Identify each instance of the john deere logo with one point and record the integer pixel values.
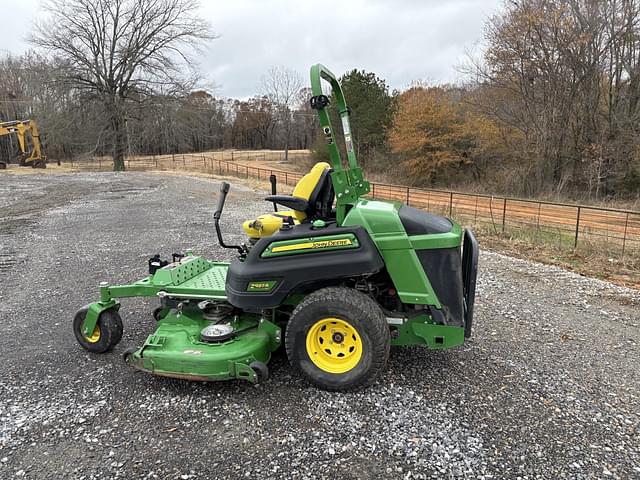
(342, 242)
(310, 244)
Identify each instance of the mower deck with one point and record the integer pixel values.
(177, 350)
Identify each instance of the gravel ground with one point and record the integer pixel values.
(548, 387)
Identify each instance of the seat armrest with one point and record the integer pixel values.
(294, 203)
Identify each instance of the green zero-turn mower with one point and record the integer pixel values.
(338, 278)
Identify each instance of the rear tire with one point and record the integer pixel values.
(338, 338)
(106, 335)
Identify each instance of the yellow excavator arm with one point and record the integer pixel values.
(31, 154)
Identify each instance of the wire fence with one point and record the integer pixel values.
(613, 232)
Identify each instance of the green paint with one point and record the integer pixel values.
(422, 330)
(310, 244)
(188, 268)
(382, 220)
(207, 284)
(349, 184)
(319, 223)
(175, 348)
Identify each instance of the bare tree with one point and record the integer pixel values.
(121, 50)
(282, 87)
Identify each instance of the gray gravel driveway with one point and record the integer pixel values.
(548, 386)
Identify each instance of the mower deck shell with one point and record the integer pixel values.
(176, 350)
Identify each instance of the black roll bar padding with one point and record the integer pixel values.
(274, 190)
(224, 189)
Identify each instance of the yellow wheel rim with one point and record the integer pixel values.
(95, 336)
(333, 345)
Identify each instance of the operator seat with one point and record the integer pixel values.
(312, 198)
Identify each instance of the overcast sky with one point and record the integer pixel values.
(401, 40)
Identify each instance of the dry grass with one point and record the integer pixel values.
(585, 261)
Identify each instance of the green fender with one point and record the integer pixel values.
(382, 221)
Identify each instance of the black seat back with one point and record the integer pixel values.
(321, 199)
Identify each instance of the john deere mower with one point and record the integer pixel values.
(336, 277)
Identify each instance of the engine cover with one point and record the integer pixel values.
(267, 276)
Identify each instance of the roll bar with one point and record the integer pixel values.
(348, 183)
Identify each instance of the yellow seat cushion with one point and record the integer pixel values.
(269, 223)
(307, 184)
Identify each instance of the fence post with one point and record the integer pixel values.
(184, 164)
(231, 155)
(99, 162)
(247, 169)
(624, 237)
(451, 203)
(475, 212)
(373, 192)
(407, 196)
(504, 213)
(575, 243)
(286, 180)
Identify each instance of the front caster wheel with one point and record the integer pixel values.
(262, 371)
(127, 355)
(159, 313)
(338, 338)
(106, 335)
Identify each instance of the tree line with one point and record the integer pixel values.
(77, 123)
(550, 107)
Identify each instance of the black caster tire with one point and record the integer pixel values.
(159, 313)
(3, 166)
(262, 371)
(39, 164)
(127, 354)
(338, 338)
(106, 335)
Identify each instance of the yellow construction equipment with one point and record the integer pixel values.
(30, 150)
